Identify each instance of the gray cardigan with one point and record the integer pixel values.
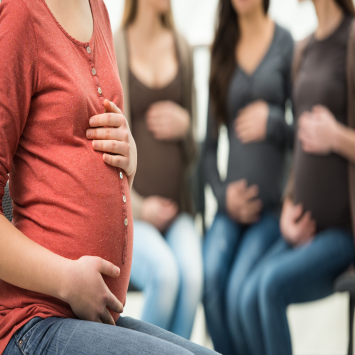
(189, 103)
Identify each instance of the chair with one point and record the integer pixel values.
(346, 283)
(7, 203)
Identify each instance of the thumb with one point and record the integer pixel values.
(111, 107)
(107, 268)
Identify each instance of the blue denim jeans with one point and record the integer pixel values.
(65, 336)
(168, 268)
(231, 252)
(288, 275)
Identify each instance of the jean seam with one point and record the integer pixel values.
(19, 347)
(24, 338)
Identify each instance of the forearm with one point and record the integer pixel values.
(344, 142)
(28, 265)
(130, 180)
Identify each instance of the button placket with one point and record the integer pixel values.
(125, 215)
(94, 75)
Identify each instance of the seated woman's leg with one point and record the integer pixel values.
(162, 334)
(219, 249)
(155, 271)
(185, 244)
(256, 241)
(249, 302)
(301, 274)
(65, 336)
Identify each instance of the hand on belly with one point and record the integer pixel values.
(159, 211)
(297, 227)
(86, 291)
(242, 203)
(111, 134)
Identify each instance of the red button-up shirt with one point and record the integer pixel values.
(65, 197)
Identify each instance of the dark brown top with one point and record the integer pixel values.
(321, 182)
(160, 163)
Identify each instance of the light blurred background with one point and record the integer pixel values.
(196, 20)
(318, 328)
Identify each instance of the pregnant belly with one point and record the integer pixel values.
(321, 185)
(76, 212)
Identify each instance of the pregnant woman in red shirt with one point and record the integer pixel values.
(65, 260)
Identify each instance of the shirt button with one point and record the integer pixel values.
(126, 222)
(99, 90)
(124, 198)
(93, 71)
(88, 49)
(121, 175)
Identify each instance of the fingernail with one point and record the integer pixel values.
(91, 121)
(118, 271)
(94, 144)
(88, 133)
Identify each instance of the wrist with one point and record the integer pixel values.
(338, 131)
(64, 285)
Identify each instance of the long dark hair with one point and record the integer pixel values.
(347, 6)
(223, 56)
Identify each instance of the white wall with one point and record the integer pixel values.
(195, 18)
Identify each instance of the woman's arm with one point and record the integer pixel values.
(261, 120)
(210, 160)
(344, 142)
(278, 130)
(28, 265)
(320, 133)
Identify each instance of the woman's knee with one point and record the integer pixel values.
(273, 284)
(248, 304)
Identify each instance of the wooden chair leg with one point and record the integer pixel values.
(351, 322)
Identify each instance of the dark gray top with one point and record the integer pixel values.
(321, 181)
(260, 163)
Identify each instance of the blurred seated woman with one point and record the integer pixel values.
(318, 209)
(249, 86)
(156, 68)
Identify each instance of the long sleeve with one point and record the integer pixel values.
(18, 62)
(210, 161)
(278, 130)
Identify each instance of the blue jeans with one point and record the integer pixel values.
(231, 252)
(288, 275)
(66, 336)
(168, 268)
